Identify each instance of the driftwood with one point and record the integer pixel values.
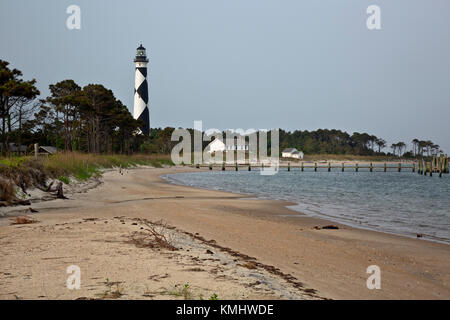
(58, 189)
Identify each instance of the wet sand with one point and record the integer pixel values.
(320, 263)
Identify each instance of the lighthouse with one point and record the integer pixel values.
(141, 111)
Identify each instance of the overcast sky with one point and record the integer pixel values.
(251, 63)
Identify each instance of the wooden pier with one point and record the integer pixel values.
(438, 165)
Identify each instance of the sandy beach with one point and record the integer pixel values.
(228, 246)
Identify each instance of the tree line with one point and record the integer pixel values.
(324, 141)
(71, 118)
(91, 119)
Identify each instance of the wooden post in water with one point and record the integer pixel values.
(444, 162)
(249, 167)
(356, 167)
(303, 168)
(441, 167)
(315, 166)
(446, 169)
(223, 166)
(289, 166)
(371, 167)
(343, 167)
(399, 167)
(385, 167)
(210, 166)
(329, 166)
(414, 167)
(237, 166)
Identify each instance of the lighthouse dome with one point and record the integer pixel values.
(141, 55)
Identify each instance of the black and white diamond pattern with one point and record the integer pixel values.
(141, 110)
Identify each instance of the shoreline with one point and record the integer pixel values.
(332, 262)
(291, 205)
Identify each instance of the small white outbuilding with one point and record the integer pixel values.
(292, 153)
(238, 144)
(216, 145)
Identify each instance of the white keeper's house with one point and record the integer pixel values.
(292, 153)
(217, 145)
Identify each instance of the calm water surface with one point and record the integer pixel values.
(402, 203)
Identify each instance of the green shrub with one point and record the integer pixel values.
(64, 179)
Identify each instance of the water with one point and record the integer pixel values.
(394, 202)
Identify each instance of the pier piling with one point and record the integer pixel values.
(446, 169)
(438, 166)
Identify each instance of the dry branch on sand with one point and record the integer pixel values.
(155, 236)
(23, 220)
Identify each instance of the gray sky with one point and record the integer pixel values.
(251, 63)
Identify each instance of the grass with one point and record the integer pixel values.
(335, 157)
(12, 161)
(27, 171)
(64, 179)
(110, 292)
(348, 157)
(187, 294)
(184, 291)
(214, 296)
(83, 166)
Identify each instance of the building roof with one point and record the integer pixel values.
(13, 147)
(215, 141)
(290, 150)
(48, 149)
(238, 141)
